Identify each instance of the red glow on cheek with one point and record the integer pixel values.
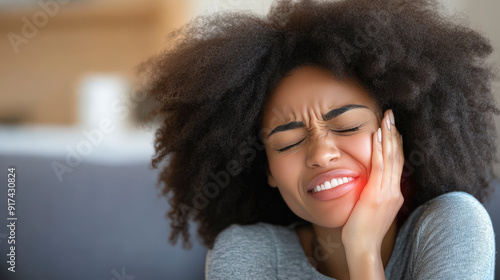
(359, 148)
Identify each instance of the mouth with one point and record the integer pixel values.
(331, 179)
(336, 192)
(331, 184)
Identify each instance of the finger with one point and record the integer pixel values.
(397, 147)
(377, 168)
(387, 152)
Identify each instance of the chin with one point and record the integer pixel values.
(337, 214)
(336, 221)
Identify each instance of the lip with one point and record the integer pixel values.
(328, 176)
(336, 192)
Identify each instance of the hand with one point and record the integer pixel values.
(381, 199)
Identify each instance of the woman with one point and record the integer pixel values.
(284, 137)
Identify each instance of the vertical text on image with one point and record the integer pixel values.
(11, 219)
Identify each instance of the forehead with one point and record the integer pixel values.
(312, 87)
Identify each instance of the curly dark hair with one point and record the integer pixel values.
(210, 85)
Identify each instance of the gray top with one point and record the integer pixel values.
(448, 237)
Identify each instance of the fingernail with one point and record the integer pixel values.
(387, 121)
(392, 117)
(379, 134)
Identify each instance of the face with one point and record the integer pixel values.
(319, 141)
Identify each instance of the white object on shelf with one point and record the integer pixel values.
(103, 99)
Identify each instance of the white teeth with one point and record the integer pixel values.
(332, 184)
(335, 182)
(328, 185)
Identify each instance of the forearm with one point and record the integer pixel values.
(366, 264)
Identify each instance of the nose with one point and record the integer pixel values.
(322, 151)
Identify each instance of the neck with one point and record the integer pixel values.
(328, 251)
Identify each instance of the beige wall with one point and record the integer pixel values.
(39, 78)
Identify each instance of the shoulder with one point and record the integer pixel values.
(245, 233)
(244, 251)
(452, 234)
(260, 237)
(454, 208)
(453, 213)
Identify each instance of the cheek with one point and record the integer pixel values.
(286, 172)
(359, 147)
(284, 168)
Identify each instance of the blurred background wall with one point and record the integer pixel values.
(51, 47)
(86, 200)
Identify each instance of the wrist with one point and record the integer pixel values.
(362, 247)
(357, 252)
(365, 264)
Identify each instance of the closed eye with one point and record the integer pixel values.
(289, 147)
(348, 130)
(338, 131)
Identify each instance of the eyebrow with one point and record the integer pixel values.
(330, 115)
